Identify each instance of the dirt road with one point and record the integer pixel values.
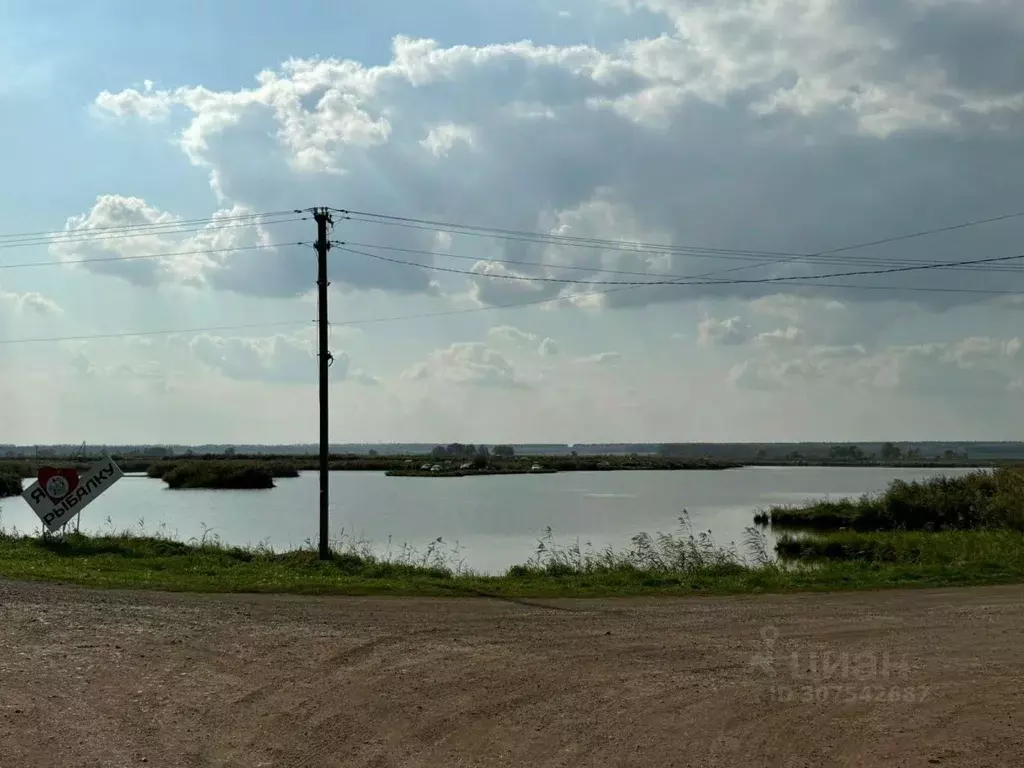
(916, 678)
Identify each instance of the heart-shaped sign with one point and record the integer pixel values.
(58, 482)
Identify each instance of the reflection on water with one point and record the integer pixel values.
(495, 520)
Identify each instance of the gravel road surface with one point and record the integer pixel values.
(895, 678)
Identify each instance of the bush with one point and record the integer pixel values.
(219, 475)
(979, 500)
(947, 548)
(10, 484)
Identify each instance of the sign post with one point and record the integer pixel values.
(58, 494)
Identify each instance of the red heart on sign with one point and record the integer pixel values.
(57, 482)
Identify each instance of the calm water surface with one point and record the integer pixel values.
(495, 520)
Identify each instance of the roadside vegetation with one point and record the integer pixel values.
(979, 500)
(681, 563)
(10, 483)
(981, 548)
(966, 529)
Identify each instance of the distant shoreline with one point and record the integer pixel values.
(13, 470)
(467, 472)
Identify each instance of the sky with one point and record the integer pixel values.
(744, 146)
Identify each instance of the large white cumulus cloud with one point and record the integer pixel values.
(788, 125)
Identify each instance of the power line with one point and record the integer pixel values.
(23, 265)
(471, 310)
(866, 260)
(872, 243)
(84, 237)
(790, 282)
(696, 281)
(608, 245)
(468, 310)
(164, 332)
(784, 257)
(123, 227)
(515, 233)
(766, 257)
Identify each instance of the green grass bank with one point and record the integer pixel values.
(660, 564)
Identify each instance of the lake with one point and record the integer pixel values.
(495, 520)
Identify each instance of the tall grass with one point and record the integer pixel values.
(979, 500)
(682, 552)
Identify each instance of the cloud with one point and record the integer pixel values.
(416, 372)
(511, 335)
(237, 251)
(151, 374)
(747, 140)
(31, 301)
(548, 348)
(729, 332)
(793, 308)
(514, 337)
(363, 377)
(601, 358)
(789, 336)
(964, 367)
(278, 359)
(977, 350)
(885, 67)
(230, 252)
(468, 363)
(874, 111)
(442, 138)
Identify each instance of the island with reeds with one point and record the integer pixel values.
(220, 475)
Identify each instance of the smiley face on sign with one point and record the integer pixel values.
(58, 482)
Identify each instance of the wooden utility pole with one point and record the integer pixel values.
(323, 219)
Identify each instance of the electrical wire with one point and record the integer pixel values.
(696, 280)
(619, 285)
(106, 238)
(784, 257)
(866, 260)
(883, 241)
(23, 265)
(609, 245)
(763, 258)
(128, 227)
(466, 310)
(165, 332)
